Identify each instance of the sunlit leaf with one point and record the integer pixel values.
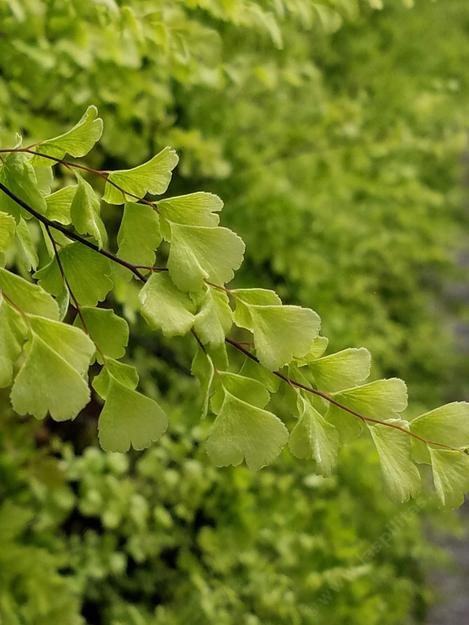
(152, 177)
(242, 431)
(164, 307)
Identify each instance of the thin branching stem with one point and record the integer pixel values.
(70, 234)
(331, 400)
(102, 173)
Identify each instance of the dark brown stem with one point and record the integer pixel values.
(102, 173)
(76, 303)
(71, 235)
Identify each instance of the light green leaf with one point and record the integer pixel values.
(252, 369)
(256, 297)
(113, 369)
(342, 370)
(382, 399)
(50, 278)
(7, 234)
(13, 332)
(77, 141)
(242, 431)
(84, 212)
(214, 319)
(248, 389)
(108, 332)
(71, 343)
(251, 297)
(314, 437)
(26, 246)
(199, 253)
(88, 273)
(139, 235)
(203, 369)
(450, 475)
(447, 424)
(316, 350)
(166, 308)
(59, 204)
(19, 176)
(281, 333)
(45, 178)
(129, 419)
(152, 177)
(393, 446)
(28, 297)
(47, 383)
(194, 209)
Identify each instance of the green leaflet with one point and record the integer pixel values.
(50, 278)
(88, 274)
(252, 297)
(393, 446)
(316, 350)
(139, 235)
(19, 176)
(341, 370)
(28, 297)
(122, 372)
(199, 253)
(256, 297)
(48, 381)
(314, 437)
(214, 318)
(59, 204)
(382, 399)
(45, 178)
(77, 141)
(281, 333)
(152, 177)
(242, 431)
(84, 212)
(108, 332)
(248, 389)
(164, 307)
(7, 235)
(450, 475)
(26, 247)
(13, 331)
(70, 342)
(447, 424)
(202, 368)
(128, 418)
(194, 209)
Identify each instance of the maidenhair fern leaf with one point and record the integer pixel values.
(152, 177)
(77, 141)
(200, 253)
(242, 431)
(165, 307)
(129, 419)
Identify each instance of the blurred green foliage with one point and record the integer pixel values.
(163, 538)
(335, 134)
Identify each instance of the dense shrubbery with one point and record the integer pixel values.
(163, 538)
